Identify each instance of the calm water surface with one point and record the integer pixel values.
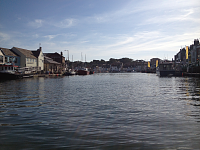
(100, 111)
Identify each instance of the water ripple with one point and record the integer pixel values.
(101, 111)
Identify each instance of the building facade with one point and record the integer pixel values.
(51, 66)
(40, 58)
(27, 57)
(59, 58)
(8, 57)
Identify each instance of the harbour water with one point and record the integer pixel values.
(100, 111)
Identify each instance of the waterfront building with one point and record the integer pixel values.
(50, 65)
(153, 62)
(40, 58)
(2, 58)
(194, 56)
(8, 57)
(28, 60)
(195, 52)
(114, 69)
(27, 57)
(180, 61)
(140, 65)
(180, 56)
(58, 58)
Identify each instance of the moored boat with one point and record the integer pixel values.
(8, 72)
(27, 72)
(70, 73)
(167, 69)
(83, 71)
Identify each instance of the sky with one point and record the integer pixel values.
(101, 29)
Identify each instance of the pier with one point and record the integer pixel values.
(191, 74)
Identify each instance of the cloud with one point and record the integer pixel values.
(141, 43)
(175, 16)
(161, 42)
(61, 36)
(132, 28)
(122, 42)
(35, 36)
(165, 12)
(37, 23)
(66, 23)
(64, 42)
(189, 12)
(9, 40)
(84, 42)
(4, 37)
(50, 36)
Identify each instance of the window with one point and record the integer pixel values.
(15, 60)
(6, 59)
(1, 59)
(10, 59)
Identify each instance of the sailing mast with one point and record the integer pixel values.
(85, 60)
(72, 63)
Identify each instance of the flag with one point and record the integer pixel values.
(156, 63)
(186, 52)
(149, 64)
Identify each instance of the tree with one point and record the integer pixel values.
(126, 60)
(112, 60)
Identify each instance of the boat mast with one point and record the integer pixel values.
(81, 60)
(72, 63)
(85, 60)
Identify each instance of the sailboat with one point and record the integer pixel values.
(83, 70)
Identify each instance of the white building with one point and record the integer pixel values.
(30, 59)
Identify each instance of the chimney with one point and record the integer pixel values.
(196, 41)
(61, 57)
(40, 49)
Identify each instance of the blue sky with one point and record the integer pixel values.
(101, 29)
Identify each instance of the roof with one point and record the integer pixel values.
(36, 53)
(27, 53)
(53, 54)
(48, 60)
(8, 52)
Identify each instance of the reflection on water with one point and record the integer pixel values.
(100, 111)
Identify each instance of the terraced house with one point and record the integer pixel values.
(33, 60)
(2, 58)
(8, 57)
